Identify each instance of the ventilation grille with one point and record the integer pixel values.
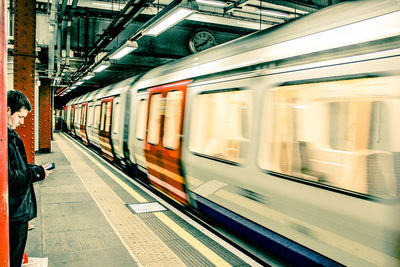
(146, 207)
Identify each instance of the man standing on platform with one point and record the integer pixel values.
(21, 176)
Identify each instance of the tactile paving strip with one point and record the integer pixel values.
(146, 207)
(144, 246)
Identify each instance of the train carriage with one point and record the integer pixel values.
(120, 125)
(285, 135)
(107, 99)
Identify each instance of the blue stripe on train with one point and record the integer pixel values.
(284, 248)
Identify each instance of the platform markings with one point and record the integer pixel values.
(146, 207)
(207, 252)
(144, 246)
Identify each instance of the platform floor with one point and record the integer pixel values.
(84, 219)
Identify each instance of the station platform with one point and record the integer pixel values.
(92, 214)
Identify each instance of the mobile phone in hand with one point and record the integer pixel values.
(50, 166)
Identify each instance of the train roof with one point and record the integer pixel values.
(315, 32)
(111, 90)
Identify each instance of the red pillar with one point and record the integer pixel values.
(4, 249)
(24, 67)
(45, 116)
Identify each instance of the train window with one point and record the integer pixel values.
(116, 118)
(173, 114)
(97, 116)
(90, 116)
(108, 117)
(77, 115)
(154, 119)
(335, 133)
(220, 124)
(80, 119)
(141, 119)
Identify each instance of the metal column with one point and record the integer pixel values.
(45, 115)
(24, 67)
(4, 249)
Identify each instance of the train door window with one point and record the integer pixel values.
(220, 124)
(141, 119)
(77, 115)
(97, 112)
(172, 124)
(72, 116)
(335, 133)
(103, 115)
(108, 117)
(85, 116)
(154, 118)
(83, 120)
(116, 117)
(68, 113)
(90, 116)
(80, 115)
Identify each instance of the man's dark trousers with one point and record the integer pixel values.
(18, 237)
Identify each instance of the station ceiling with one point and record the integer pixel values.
(88, 32)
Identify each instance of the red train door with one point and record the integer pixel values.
(163, 140)
(105, 127)
(83, 123)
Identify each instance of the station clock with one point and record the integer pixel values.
(201, 40)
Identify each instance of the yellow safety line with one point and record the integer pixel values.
(214, 258)
(145, 247)
(208, 253)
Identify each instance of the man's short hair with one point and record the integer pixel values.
(17, 100)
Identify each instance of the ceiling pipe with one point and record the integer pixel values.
(53, 36)
(69, 20)
(129, 12)
(296, 5)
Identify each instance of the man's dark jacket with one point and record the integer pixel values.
(21, 176)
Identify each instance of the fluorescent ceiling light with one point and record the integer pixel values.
(88, 76)
(273, 13)
(167, 22)
(104, 65)
(211, 3)
(128, 47)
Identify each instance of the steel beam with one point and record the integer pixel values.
(45, 115)
(24, 67)
(4, 247)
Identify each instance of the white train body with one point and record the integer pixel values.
(289, 133)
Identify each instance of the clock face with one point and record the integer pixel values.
(201, 40)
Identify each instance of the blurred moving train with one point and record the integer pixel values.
(288, 135)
